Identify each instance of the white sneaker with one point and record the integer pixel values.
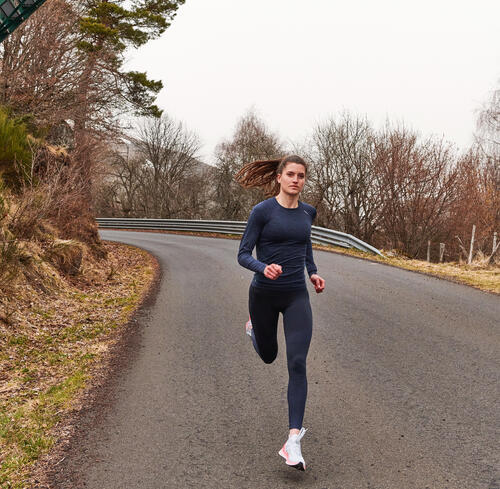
(248, 327)
(291, 451)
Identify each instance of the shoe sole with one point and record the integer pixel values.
(299, 466)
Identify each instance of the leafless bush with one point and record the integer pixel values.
(47, 190)
(53, 190)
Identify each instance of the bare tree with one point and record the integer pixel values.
(168, 152)
(417, 187)
(119, 183)
(343, 177)
(39, 65)
(155, 174)
(477, 203)
(251, 141)
(489, 124)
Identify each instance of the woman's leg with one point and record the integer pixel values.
(297, 321)
(264, 316)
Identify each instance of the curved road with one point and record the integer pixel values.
(403, 383)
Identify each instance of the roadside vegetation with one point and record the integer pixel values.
(479, 274)
(56, 336)
(64, 294)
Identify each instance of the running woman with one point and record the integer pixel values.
(280, 228)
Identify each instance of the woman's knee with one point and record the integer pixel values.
(297, 365)
(269, 357)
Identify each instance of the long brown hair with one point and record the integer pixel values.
(262, 173)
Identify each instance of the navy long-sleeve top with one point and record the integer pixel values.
(282, 236)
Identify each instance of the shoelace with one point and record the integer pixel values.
(302, 432)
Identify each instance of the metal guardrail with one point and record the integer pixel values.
(319, 235)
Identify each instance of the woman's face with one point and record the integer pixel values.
(292, 179)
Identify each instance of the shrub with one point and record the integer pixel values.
(15, 150)
(8, 245)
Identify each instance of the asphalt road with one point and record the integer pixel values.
(403, 383)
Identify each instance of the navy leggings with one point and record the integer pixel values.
(265, 306)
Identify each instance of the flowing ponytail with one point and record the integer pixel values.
(262, 173)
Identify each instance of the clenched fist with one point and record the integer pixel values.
(273, 271)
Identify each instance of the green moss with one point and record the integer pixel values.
(18, 340)
(117, 301)
(45, 314)
(80, 297)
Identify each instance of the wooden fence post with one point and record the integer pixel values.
(428, 251)
(494, 249)
(441, 252)
(471, 244)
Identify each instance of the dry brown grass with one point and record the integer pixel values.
(478, 274)
(53, 338)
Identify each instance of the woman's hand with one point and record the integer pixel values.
(273, 271)
(318, 282)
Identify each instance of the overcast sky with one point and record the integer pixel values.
(430, 64)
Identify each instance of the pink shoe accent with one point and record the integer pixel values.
(297, 465)
(248, 327)
(284, 453)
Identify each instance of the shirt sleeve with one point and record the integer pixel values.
(253, 229)
(310, 265)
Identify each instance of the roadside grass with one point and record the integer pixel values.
(49, 350)
(25, 427)
(477, 274)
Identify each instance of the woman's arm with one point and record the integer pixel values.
(310, 265)
(318, 282)
(250, 236)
